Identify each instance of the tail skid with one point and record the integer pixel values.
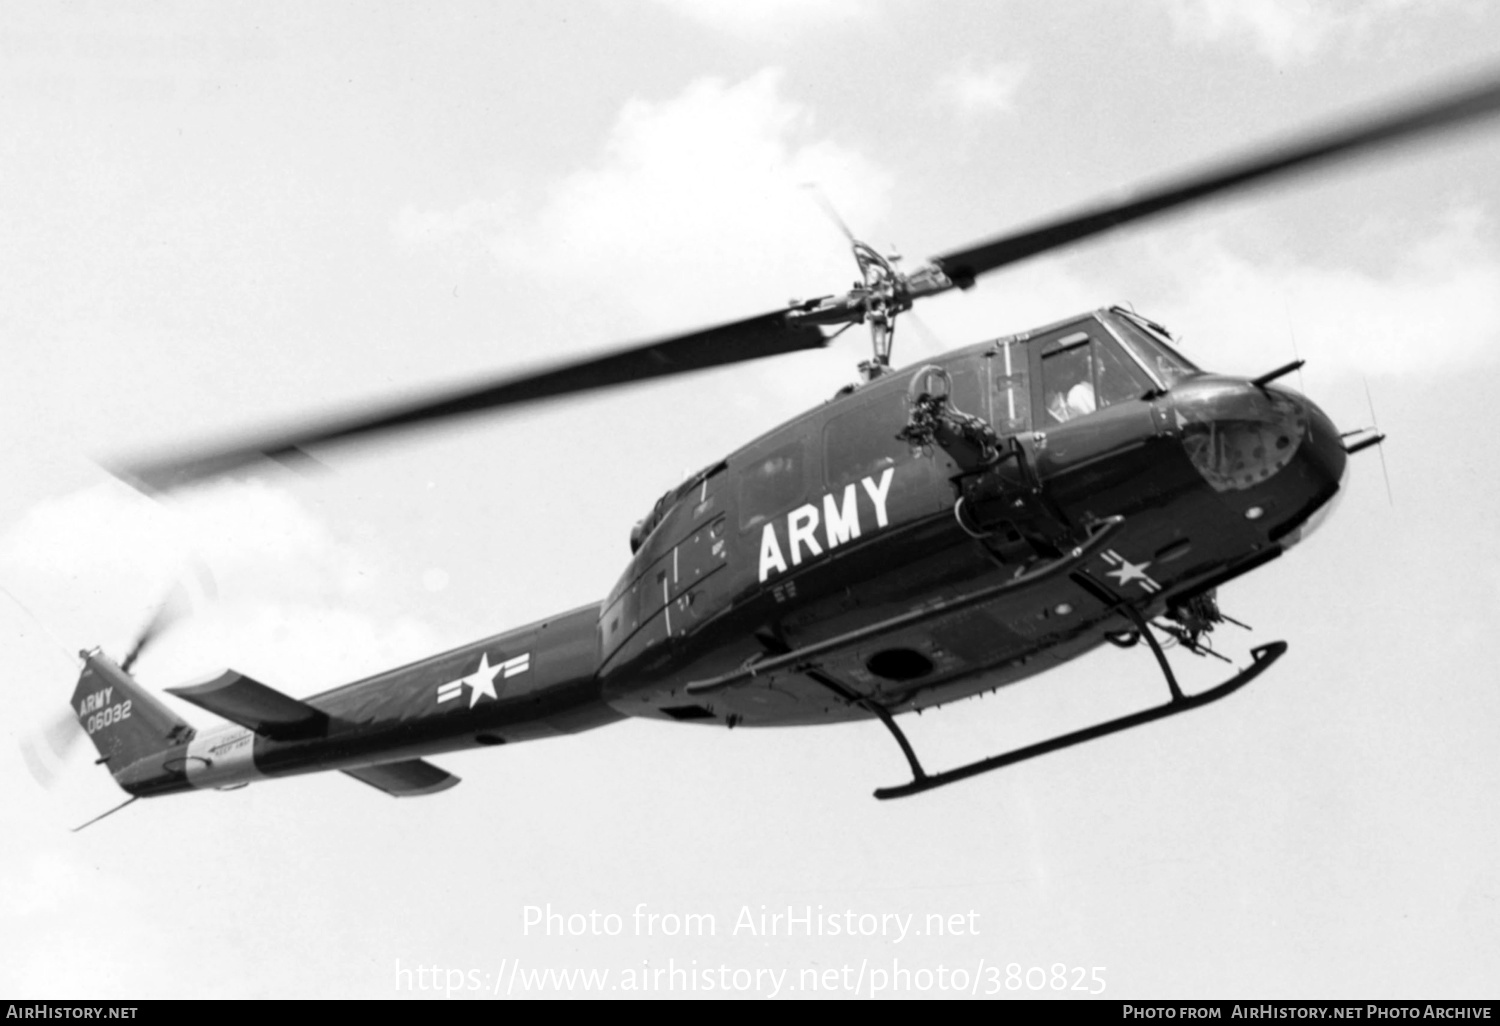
(111, 812)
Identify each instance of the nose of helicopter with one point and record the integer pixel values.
(1273, 456)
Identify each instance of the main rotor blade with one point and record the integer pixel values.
(1449, 111)
(767, 335)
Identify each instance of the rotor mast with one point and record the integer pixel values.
(883, 292)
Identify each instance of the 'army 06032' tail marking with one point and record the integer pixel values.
(840, 521)
(96, 711)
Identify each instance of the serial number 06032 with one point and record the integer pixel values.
(107, 716)
(1057, 976)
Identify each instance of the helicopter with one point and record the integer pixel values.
(930, 533)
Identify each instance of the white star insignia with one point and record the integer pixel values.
(1128, 571)
(1125, 571)
(482, 680)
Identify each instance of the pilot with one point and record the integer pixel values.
(1075, 402)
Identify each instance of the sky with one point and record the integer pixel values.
(222, 217)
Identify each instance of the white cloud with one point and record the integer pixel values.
(696, 212)
(1283, 30)
(975, 91)
(1434, 310)
(1431, 310)
(233, 526)
(298, 604)
(765, 17)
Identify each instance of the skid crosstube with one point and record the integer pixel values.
(921, 781)
(1261, 660)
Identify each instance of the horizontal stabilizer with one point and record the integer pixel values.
(251, 704)
(409, 779)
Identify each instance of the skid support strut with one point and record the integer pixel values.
(1261, 660)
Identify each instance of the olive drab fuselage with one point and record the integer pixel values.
(832, 522)
(876, 555)
(932, 534)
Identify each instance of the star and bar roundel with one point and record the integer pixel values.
(481, 683)
(1125, 571)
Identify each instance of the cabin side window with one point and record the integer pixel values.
(1082, 372)
(967, 393)
(862, 442)
(770, 484)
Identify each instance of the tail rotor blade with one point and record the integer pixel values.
(62, 734)
(46, 751)
(178, 605)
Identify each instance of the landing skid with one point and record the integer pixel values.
(921, 781)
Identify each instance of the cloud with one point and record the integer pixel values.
(697, 210)
(1285, 31)
(298, 604)
(236, 527)
(1433, 310)
(766, 17)
(1430, 310)
(975, 91)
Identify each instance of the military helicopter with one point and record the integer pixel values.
(929, 534)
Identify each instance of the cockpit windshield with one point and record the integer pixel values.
(1151, 344)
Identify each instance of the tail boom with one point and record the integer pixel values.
(536, 681)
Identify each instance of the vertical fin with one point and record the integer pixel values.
(125, 722)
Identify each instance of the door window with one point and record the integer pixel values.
(770, 484)
(1085, 371)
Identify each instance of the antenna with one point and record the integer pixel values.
(1291, 330)
(1373, 420)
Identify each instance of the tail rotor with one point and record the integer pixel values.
(48, 748)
